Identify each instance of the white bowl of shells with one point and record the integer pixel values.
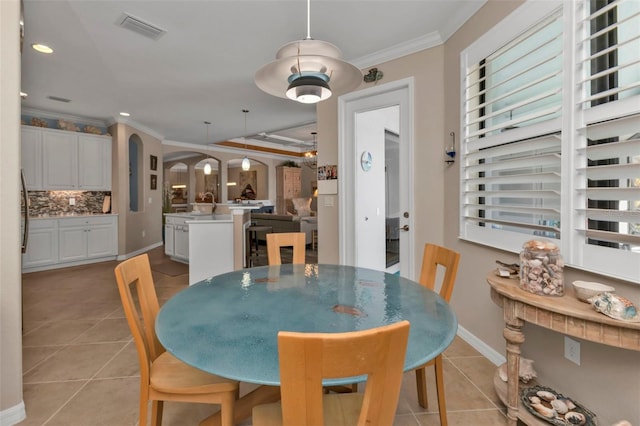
(586, 289)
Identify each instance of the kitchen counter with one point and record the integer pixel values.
(65, 215)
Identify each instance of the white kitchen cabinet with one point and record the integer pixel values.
(31, 157)
(42, 243)
(168, 239)
(58, 159)
(181, 242)
(94, 162)
(87, 238)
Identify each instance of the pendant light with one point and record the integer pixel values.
(308, 70)
(311, 157)
(246, 164)
(207, 166)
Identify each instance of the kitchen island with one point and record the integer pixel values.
(211, 244)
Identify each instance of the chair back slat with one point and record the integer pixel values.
(435, 256)
(275, 241)
(306, 358)
(135, 281)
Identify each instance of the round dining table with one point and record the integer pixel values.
(228, 324)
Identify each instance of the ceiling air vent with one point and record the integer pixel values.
(59, 99)
(141, 27)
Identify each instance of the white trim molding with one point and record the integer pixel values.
(485, 350)
(13, 415)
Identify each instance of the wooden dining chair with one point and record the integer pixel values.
(162, 376)
(275, 241)
(433, 257)
(306, 358)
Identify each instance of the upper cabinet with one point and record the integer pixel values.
(57, 159)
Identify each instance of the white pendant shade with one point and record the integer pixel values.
(246, 164)
(315, 59)
(207, 168)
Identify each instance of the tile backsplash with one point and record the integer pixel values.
(57, 202)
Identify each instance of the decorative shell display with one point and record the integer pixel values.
(526, 371)
(93, 130)
(554, 408)
(541, 268)
(615, 306)
(38, 122)
(67, 125)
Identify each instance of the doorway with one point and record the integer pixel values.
(376, 137)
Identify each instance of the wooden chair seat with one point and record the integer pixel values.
(170, 375)
(338, 410)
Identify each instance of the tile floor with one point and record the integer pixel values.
(80, 365)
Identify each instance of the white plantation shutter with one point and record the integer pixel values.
(511, 171)
(608, 143)
(551, 135)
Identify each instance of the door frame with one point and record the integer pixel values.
(399, 92)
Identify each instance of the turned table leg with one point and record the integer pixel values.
(514, 337)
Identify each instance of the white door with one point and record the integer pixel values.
(367, 221)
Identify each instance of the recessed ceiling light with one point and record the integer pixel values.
(125, 114)
(23, 95)
(42, 48)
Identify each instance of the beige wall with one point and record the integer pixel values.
(608, 381)
(148, 218)
(11, 408)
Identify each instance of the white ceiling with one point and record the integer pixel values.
(202, 69)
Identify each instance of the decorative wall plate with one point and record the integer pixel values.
(366, 161)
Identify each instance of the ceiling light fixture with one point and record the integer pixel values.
(311, 157)
(246, 164)
(303, 70)
(207, 166)
(42, 48)
(125, 114)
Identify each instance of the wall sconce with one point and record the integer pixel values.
(451, 150)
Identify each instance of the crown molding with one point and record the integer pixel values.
(399, 50)
(53, 115)
(132, 123)
(462, 15)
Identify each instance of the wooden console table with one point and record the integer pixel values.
(566, 315)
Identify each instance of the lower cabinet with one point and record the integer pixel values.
(42, 243)
(181, 242)
(168, 240)
(54, 242)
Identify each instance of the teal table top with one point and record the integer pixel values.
(228, 324)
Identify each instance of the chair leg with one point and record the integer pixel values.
(442, 406)
(156, 413)
(227, 411)
(144, 404)
(421, 384)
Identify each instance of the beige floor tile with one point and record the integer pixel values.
(405, 420)
(31, 356)
(109, 402)
(460, 348)
(107, 330)
(74, 362)
(42, 400)
(465, 418)
(124, 364)
(57, 332)
(480, 371)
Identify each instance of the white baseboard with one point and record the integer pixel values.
(13, 415)
(137, 252)
(487, 351)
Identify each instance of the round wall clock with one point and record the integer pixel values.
(366, 161)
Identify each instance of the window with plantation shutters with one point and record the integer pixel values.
(512, 147)
(608, 138)
(551, 133)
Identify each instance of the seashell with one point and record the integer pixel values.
(534, 400)
(559, 406)
(575, 418)
(546, 395)
(545, 411)
(569, 403)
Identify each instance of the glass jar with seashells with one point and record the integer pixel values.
(541, 268)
